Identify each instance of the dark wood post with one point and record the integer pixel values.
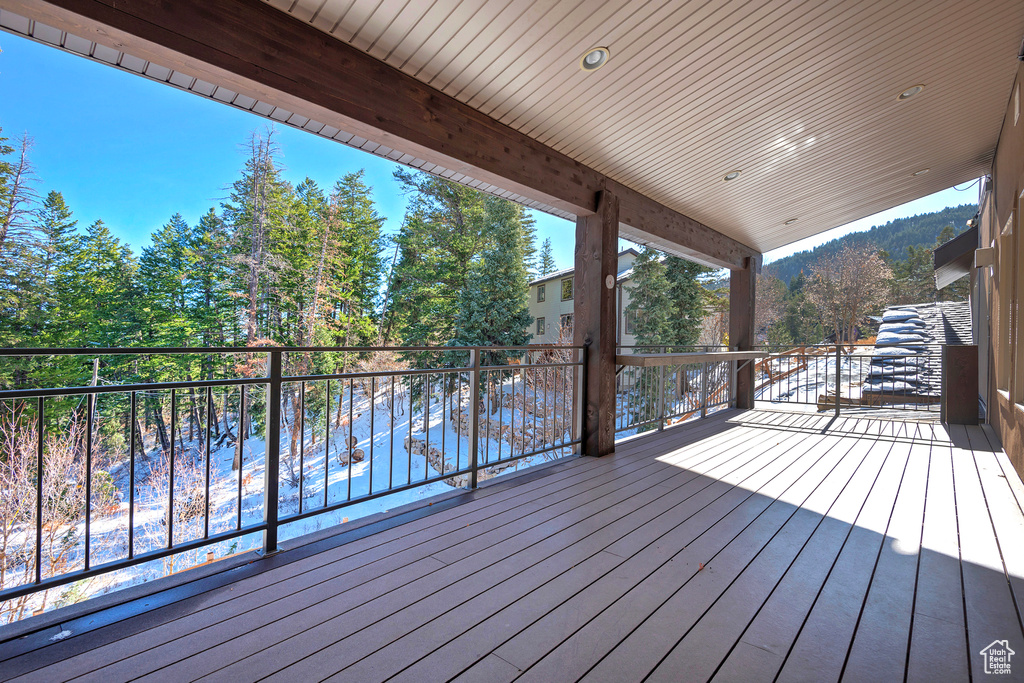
(959, 400)
(597, 238)
(741, 328)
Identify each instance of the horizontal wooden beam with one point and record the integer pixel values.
(251, 48)
(671, 231)
(654, 360)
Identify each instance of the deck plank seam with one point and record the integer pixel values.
(874, 567)
(811, 446)
(762, 549)
(783, 574)
(482, 550)
(835, 561)
(995, 531)
(587, 490)
(649, 544)
(710, 483)
(917, 569)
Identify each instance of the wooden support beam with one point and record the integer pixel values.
(597, 237)
(661, 227)
(741, 328)
(253, 49)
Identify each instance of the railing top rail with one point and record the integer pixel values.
(141, 351)
(648, 360)
(845, 345)
(15, 394)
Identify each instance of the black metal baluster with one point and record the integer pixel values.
(408, 472)
(547, 409)
(501, 410)
(131, 478)
(351, 435)
(302, 444)
(241, 453)
(327, 442)
(444, 423)
(272, 451)
(39, 492)
(391, 441)
(170, 485)
(426, 427)
(474, 418)
(373, 433)
(206, 475)
(90, 404)
(512, 420)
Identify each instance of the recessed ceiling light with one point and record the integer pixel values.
(921, 172)
(910, 92)
(732, 175)
(791, 221)
(595, 58)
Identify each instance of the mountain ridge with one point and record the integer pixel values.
(894, 237)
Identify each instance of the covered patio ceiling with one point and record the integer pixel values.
(801, 97)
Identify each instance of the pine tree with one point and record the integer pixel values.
(443, 232)
(650, 301)
(50, 293)
(547, 260)
(164, 278)
(494, 305)
(687, 297)
(257, 216)
(359, 265)
(16, 195)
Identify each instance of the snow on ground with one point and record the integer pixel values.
(382, 434)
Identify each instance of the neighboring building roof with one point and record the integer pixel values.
(953, 259)
(569, 271)
(912, 369)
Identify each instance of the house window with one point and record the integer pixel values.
(540, 294)
(566, 323)
(630, 322)
(540, 327)
(567, 289)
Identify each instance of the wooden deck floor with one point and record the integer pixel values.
(750, 546)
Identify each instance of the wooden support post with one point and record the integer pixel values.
(597, 237)
(741, 328)
(959, 401)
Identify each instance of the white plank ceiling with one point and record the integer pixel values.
(801, 96)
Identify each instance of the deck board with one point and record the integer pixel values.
(738, 548)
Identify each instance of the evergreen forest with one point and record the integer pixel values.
(275, 264)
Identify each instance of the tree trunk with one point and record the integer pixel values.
(161, 430)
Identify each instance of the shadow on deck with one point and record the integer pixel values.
(748, 546)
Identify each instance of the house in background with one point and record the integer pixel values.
(552, 301)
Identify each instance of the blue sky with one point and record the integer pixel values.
(134, 152)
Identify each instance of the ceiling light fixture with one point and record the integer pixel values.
(791, 221)
(921, 172)
(910, 92)
(594, 58)
(732, 175)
